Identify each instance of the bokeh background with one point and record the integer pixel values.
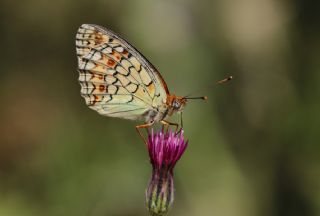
(254, 145)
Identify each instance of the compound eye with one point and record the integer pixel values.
(176, 104)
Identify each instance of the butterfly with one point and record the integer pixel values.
(118, 81)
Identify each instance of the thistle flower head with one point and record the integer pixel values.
(165, 149)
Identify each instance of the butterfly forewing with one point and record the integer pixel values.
(116, 80)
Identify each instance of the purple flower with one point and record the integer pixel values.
(165, 149)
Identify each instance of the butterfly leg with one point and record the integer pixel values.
(168, 124)
(181, 121)
(146, 126)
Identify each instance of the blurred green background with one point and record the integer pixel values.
(253, 146)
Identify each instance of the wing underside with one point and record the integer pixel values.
(116, 80)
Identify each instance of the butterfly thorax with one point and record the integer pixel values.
(173, 104)
(156, 114)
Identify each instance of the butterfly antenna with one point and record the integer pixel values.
(201, 97)
(225, 80)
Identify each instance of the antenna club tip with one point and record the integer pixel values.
(225, 80)
(205, 98)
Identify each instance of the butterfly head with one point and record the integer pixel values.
(178, 104)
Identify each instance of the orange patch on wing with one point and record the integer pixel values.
(95, 100)
(140, 92)
(111, 63)
(151, 88)
(116, 55)
(101, 88)
(125, 53)
(100, 77)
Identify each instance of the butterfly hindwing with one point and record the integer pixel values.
(116, 80)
